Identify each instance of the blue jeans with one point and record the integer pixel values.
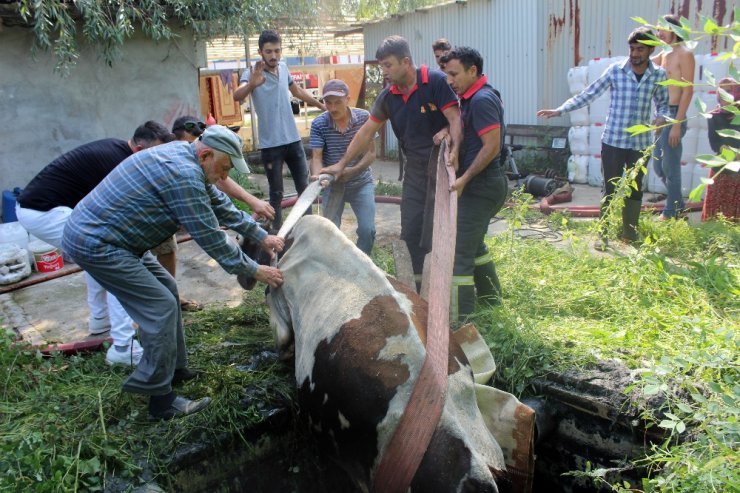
(362, 200)
(667, 165)
(272, 159)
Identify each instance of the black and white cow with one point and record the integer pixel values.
(359, 339)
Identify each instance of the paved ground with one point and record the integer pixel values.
(55, 311)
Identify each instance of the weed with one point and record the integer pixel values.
(387, 188)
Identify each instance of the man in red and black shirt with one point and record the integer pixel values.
(419, 103)
(481, 184)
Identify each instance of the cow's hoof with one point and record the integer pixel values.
(246, 282)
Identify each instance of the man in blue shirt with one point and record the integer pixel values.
(331, 133)
(480, 184)
(634, 85)
(270, 85)
(137, 206)
(419, 103)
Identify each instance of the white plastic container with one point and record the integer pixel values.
(595, 174)
(579, 117)
(596, 67)
(689, 143)
(700, 171)
(578, 168)
(712, 64)
(599, 108)
(577, 79)
(687, 177)
(594, 138)
(702, 144)
(14, 264)
(698, 71)
(578, 140)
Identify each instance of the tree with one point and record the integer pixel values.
(57, 24)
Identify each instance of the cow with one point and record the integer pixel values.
(359, 338)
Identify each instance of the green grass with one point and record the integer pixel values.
(668, 308)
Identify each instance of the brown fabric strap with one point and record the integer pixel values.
(411, 438)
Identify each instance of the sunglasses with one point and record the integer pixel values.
(190, 126)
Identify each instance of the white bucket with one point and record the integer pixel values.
(578, 140)
(14, 264)
(687, 176)
(595, 175)
(595, 132)
(47, 258)
(689, 143)
(579, 117)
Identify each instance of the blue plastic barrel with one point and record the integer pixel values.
(9, 204)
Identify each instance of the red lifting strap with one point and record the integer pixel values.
(409, 443)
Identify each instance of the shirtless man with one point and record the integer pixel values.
(678, 62)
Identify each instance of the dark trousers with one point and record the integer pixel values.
(614, 162)
(272, 159)
(413, 203)
(474, 269)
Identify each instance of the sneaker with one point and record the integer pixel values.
(97, 326)
(130, 357)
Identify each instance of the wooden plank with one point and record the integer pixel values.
(402, 259)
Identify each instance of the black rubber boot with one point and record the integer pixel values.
(487, 285)
(630, 218)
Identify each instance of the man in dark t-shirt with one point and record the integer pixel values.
(419, 103)
(47, 201)
(481, 184)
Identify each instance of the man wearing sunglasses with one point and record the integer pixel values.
(188, 128)
(270, 85)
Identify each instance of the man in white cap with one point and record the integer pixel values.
(139, 205)
(331, 133)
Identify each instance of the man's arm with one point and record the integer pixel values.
(456, 135)
(584, 98)
(359, 143)
(301, 94)
(256, 79)
(235, 191)
(491, 148)
(362, 165)
(317, 160)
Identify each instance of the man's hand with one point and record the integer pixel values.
(458, 186)
(548, 113)
(264, 210)
(269, 275)
(674, 138)
(333, 170)
(272, 244)
(440, 136)
(258, 74)
(452, 159)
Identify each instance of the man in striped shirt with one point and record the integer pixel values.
(634, 85)
(139, 205)
(331, 133)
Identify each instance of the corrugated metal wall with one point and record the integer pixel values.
(529, 45)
